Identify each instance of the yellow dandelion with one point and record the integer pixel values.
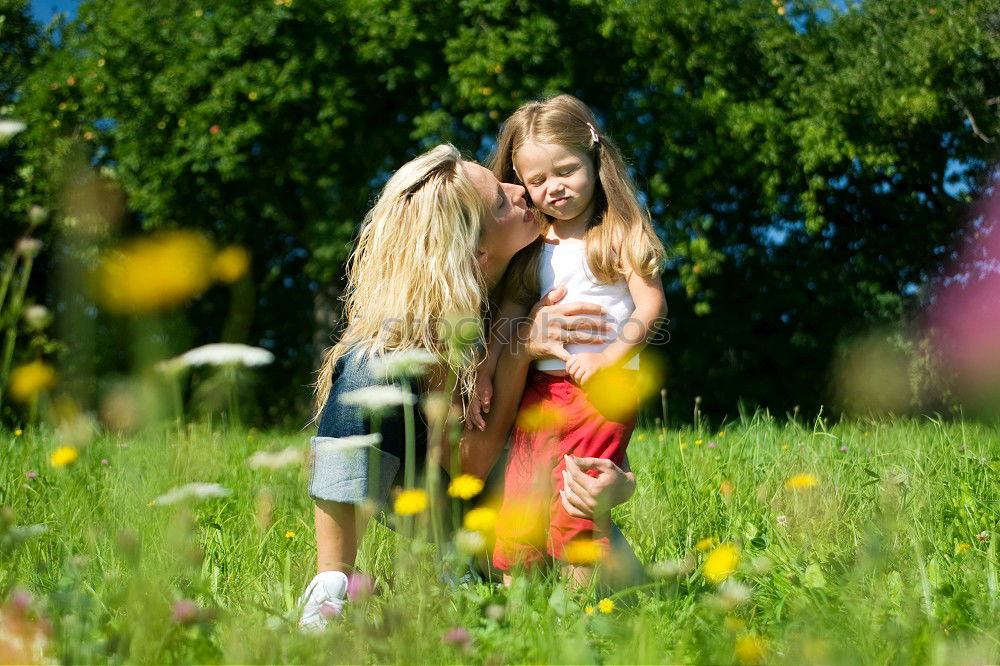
(605, 605)
(721, 563)
(252, 95)
(705, 544)
(801, 481)
(697, 441)
(26, 381)
(18, 432)
(536, 418)
(588, 610)
(63, 456)
(161, 125)
(962, 547)
(582, 552)
(230, 264)
(410, 502)
(784, 447)
(181, 122)
(465, 486)
(683, 445)
(151, 503)
(289, 534)
(100, 63)
(749, 649)
(481, 520)
(722, 433)
(154, 273)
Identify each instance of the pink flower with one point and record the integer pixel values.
(185, 612)
(712, 445)
(359, 586)
(104, 461)
(31, 475)
(844, 448)
(457, 636)
(329, 611)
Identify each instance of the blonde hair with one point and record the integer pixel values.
(620, 237)
(413, 265)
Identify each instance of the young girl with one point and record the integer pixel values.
(600, 244)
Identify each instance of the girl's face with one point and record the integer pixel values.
(560, 180)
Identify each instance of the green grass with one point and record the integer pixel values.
(869, 569)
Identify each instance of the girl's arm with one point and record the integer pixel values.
(650, 307)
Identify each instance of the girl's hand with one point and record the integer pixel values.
(480, 403)
(585, 496)
(583, 366)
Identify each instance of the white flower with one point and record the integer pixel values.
(37, 316)
(376, 398)
(8, 128)
(328, 444)
(470, 542)
(409, 363)
(192, 490)
(983, 536)
(220, 353)
(783, 521)
(276, 459)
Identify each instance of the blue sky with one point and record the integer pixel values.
(44, 9)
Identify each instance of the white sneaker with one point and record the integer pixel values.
(323, 599)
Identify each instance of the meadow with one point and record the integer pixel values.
(853, 542)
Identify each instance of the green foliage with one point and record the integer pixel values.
(878, 563)
(807, 169)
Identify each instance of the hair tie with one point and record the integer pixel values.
(593, 134)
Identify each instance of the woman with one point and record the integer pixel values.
(438, 239)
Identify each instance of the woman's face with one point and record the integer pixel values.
(509, 225)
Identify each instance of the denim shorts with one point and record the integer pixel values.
(352, 475)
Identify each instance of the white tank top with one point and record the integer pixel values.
(566, 263)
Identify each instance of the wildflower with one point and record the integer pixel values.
(31, 475)
(409, 363)
(377, 398)
(230, 264)
(721, 563)
(252, 95)
(697, 441)
(983, 536)
(458, 637)
(781, 11)
(275, 460)
(37, 317)
(9, 128)
(410, 502)
(219, 353)
(536, 418)
(782, 520)
(843, 449)
(37, 215)
(470, 542)
(480, 520)
(26, 381)
(330, 611)
(28, 247)
(185, 612)
(214, 129)
(63, 456)
(194, 491)
(465, 486)
(784, 447)
(104, 461)
(722, 433)
(801, 481)
(289, 534)
(750, 649)
(962, 547)
(154, 273)
(705, 544)
(359, 586)
(18, 432)
(327, 444)
(582, 552)
(726, 488)
(605, 605)
(712, 445)
(588, 610)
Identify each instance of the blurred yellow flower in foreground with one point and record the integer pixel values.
(801, 481)
(734, 624)
(582, 552)
(962, 547)
(605, 605)
(705, 544)
(465, 486)
(749, 650)
(230, 264)
(410, 502)
(721, 563)
(27, 380)
(588, 610)
(63, 456)
(481, 520)
(616, 393)
(535, 418)
(154, 273)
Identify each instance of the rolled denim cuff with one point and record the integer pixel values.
(350, 474)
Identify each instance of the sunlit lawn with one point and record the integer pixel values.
(881, 550)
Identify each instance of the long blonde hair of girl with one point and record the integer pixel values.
(413, 266)
(620, 237)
